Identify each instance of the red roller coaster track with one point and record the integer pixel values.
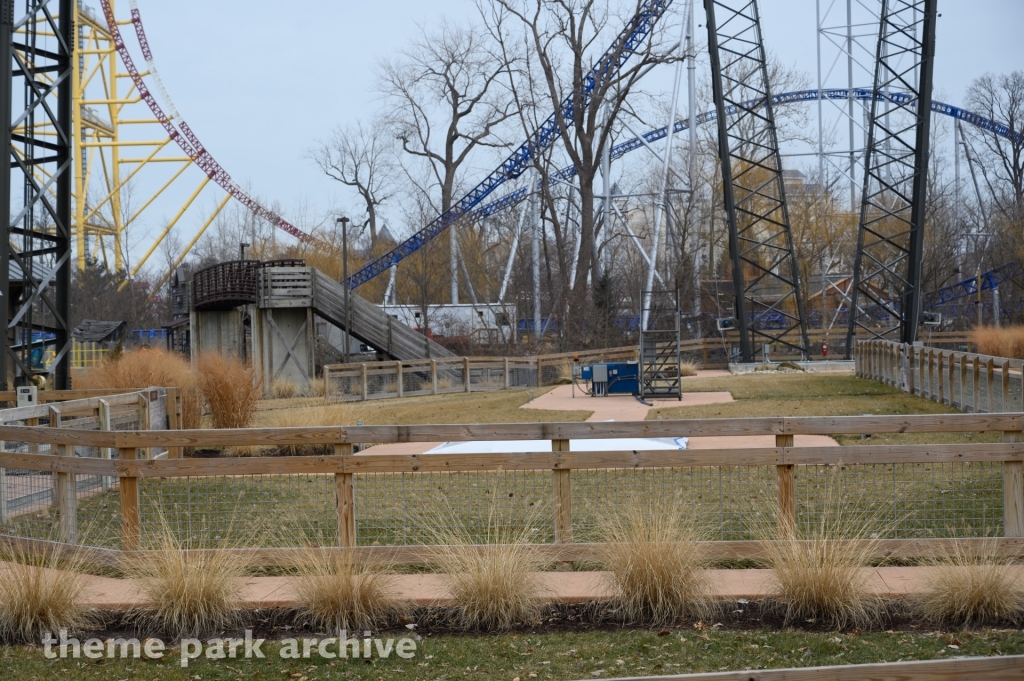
(182, 134)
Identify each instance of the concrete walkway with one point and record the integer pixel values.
(561, 587)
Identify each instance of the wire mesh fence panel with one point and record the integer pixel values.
(487, 375)
(451, 376)
(727, 502)
(381, 381)
(344, 385)
(403, 509)
(522, 373)
(239, 511)
(417, 378)
(901, 501)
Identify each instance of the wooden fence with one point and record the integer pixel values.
(561, 465)
(966, 381)
(995, 668)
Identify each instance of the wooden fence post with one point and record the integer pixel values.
(1005, 376)
(963, 383)
(931, 375)
(398, 379)
(787, 491)
(505, 365)
(3, 489)
(910, 370)
(540, 372)
(563, 497)
(939, 371)
(952, 379)
(990, 377)
(977, 387)
(920, 371)
(174, 419)
(362, 375)
(465, 370)
(433, 376)
(344, 491)
(103, 411)
(130, 525)
(147, 453)
(1013, 492)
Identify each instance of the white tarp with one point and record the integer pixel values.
(625, 444)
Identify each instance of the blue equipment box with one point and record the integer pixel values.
(613, 378)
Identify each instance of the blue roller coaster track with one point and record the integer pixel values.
(625, 46)
(517, 163)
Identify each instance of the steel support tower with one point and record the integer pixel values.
(769, 305)
(886, 296)
(37, 40)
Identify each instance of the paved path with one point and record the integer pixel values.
(562, 587)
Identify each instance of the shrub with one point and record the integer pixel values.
(972, 588)
(230, 390)
(1005, 341)
(653, 556)
(817, 568)
(186, 593)
(41, 594)
(283, 389)
(336, 592)
(493, 586)
(145, 368)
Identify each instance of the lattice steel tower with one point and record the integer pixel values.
(769, 305)
(35, 187)
(886, 295)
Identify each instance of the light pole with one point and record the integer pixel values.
(241, 250)
(344, 283)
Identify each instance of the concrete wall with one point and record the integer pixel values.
(219, 331)
(275, 332)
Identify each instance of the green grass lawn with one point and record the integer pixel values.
(554, 657)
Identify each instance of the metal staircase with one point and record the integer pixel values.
(660, 363)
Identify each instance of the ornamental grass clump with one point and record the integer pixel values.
(42, 593)
(973, 586)
(187, 592)
(818, 564)
(230, 390)
(491, 573)
(654, 557)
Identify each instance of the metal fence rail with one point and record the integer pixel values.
(389, 506)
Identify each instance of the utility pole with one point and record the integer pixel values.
(344, 279)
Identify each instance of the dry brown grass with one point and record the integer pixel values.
(336, 592)
(41, 594)
(308, 416)
(818, 573)
(971, 588)
(145, 368)
(317, 387)
(493, 586)
(654, 559)
(1005, 341)
(283, 389)
(687, 369)
(230, 391)
(186, 593)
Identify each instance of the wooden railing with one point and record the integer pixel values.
(560, 463)
(966, 381)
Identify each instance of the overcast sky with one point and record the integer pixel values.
(260, 81)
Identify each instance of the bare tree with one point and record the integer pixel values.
(1001, 98)
(447, 99)
(562, 36)
(362, 158)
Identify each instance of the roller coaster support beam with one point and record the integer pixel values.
(35, 268)
(886, 296)
(760, 239)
